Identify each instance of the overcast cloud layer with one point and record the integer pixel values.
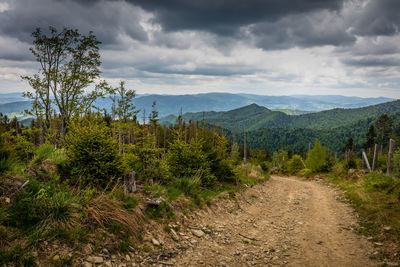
(252, 46)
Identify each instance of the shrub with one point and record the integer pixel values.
(185, 159)
(375, 181)
(5, 162)
(382, 162)
(396, 162)
(295, 164)
(145, 161)
(339, 168)
(22, 148)
(351, 163)
(93, 155)
(221, 169)
(266, 166)
(189, 160)
(317, 159)
(305, 173)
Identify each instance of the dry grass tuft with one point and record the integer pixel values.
(104, 211)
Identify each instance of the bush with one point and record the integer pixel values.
(189, 160)
(339, 168)
(223, 171)
(93, 155)
(382, 162)
(5, 162)
(265, 166)
(295, 164)
(351, 163)
(375, 181)
(22, 148)
(305, 173)
(396, 163)
(186, 159)
(317, 159)
(145, 161)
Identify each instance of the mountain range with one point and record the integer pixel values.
(15, 104)
(267, 129)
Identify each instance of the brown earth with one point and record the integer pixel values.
(285, 221)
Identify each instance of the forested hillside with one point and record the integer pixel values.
(15, 103)
(270, 130)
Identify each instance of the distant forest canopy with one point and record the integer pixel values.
(13, 104)
(274, 130)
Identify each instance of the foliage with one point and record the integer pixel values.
(371, 137)
(351, 162)
(188, 160)
(159, 211)
(17, 255)
(122, 103)
(69, 62)
(317, 159)
(48, 151)
(384, 128)
(396, 163)
(279, 158)
(44, 209)
(22, 148)
(145, 160)
(295, 164)
(4, 157)
(189, 186)
(377, 203)
(93, 155)
(266, 166)
(305, 173)
(377, 182)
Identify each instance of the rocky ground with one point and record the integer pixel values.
(285, 221)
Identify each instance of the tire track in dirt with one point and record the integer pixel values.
(285, 221)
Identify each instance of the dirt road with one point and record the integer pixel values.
(286, 221)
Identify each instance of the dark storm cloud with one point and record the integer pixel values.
(377, 17)
(224, 17)
(107, 19)
(184, 32)
(315, 29)
(372, 62)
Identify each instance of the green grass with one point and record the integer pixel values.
(17, 255)
(376, 199)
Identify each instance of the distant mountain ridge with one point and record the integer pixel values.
(172, 104)
(254, 117)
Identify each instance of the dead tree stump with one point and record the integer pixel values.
(129, 182)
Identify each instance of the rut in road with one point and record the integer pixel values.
(285, 221)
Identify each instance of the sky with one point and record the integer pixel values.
(268, 47)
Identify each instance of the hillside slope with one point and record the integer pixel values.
(254, 117)
(173, 104)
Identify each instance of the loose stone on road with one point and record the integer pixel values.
(285, 221)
